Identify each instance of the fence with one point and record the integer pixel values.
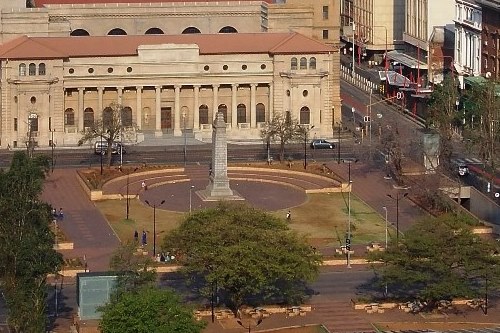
(356, 79)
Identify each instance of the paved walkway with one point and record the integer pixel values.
(83, 223)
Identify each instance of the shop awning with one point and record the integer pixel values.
(406, 60)
(395, 79)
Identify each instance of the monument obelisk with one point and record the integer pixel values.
(218, 186)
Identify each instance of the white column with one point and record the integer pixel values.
(196, 107)
(81, 92)
(177, 111)
(270, 111)
(215, 106)
(158, 131)
(234, 105)
(119, 91)
(253, 119)
(138, 103)
(100, 91)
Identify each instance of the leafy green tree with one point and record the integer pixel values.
(110, 127)
(146, 310)
(26, 243)
(250, 255)
(135, 269)
(439, 259)
(482, 127)
(283, 129)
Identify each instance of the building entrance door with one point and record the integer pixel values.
(166, 118)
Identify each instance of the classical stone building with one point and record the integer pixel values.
(54, 87)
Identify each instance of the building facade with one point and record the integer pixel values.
(468, 27)
(378, 25)
(490, 38)
(54, 87)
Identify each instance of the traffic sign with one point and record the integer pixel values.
(348, 244)
(399, 95)
(366, 119)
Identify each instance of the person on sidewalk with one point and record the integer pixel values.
(288, 216)
(61, 214)
(136, 236)
(144, 238)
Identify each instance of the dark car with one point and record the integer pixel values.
(321, 144)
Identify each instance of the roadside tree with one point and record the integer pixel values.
(148, 309)
(283, 129)
(114, 124)
(250, 256)
(26, 243)
(439, 259)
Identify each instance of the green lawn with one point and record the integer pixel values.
(323, 219)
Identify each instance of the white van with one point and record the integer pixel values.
(101, 147)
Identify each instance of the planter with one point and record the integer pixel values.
(64, 246)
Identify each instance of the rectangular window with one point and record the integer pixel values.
(50, 124)
(325, 12)
(325, 34)
(15, 124)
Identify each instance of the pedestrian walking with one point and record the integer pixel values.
(144, 186)
(288, 216)
(144, 238)
(54, 213)
(61, 214)
(136, 236)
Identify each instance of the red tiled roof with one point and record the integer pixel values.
(107, 46)
(42, 3)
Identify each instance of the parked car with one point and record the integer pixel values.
(463, 170)
(321, 144)
(101, 147)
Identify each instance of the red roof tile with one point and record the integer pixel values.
(103, 46)
(42, 3)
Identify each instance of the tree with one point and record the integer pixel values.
(109, 128)
(443, 116)
(482, 107)
(283, 129)
(439, 259)
(146, 310)
(26, 243)
(251, 256)
(135, 269)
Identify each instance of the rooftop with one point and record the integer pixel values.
(43, 3)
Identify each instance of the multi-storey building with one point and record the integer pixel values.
(378, 25)
(55, 87)
(60, 102)
(490, 38)
(468, 27)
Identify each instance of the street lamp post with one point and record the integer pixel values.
(154, 224)
(128, 198)
(191, 198)
(348, 238)
(306, 131)
(185, 138)
(52, 145)
(102, 146)
(386, 238)
(397, 197)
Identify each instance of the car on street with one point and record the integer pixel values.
(101, 147)
(321, 144)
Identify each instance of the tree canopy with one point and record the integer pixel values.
(439, 259)
(26, 243)
(283, 129)
(148, 309)
(250, 255)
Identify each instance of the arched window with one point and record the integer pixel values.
(79, 32)
(228, 30)
(22, 70)
(126, 114)
(305, 115)
(154, 31)
(69, 117)
(107, 117)
(293, 64)
(41, 69)
(203, 114)
(117, 32)
(32, 69)
(303, 63)
(88, 117)
(191, 30)
(260, 113)
(241, 112)
(223, 108)
(312, 63)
